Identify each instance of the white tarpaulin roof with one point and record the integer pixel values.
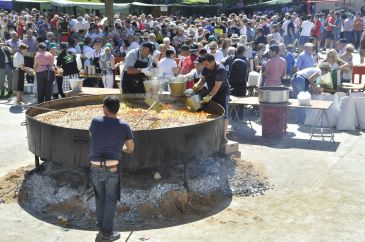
(63, 3)
(33, 1)
(89, 5)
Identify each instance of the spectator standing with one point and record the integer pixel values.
(275, 67)
(305, 34)
(305, 59)
(358, 28)
(6, 68)
(45, 72)
(348, 27)
(330, 23)
(67, 61)
(289, 58)
(107, 66)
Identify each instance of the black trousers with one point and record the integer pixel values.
(44, 86)
(29, 62)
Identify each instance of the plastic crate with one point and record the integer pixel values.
(273, 119)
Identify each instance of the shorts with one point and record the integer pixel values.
(18, 80)
(329, 35)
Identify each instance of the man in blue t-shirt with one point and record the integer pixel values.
(108, 136)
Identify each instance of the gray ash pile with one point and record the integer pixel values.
(211, 184)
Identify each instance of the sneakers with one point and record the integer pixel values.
(114, 236)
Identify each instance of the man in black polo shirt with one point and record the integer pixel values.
(108, 135)
(67, 60)
(215, 76)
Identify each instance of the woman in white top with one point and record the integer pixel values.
(218, 55)
(167, 66)
(19, 71)
(88, 51)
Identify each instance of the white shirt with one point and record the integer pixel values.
(285, 27)
(165, 67)
(243, 30)
(79, 26)
(308, 72)
(306, 28)
(18, 60)
(218, 56)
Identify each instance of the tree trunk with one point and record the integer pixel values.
(109, 11)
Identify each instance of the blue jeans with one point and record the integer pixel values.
(357, 36)
(106, 188)
(298, 84)
(348, 36)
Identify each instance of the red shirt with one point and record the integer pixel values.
(316, 31)
(358, 25)
(53, 23)
(330, 20)
(20, 29)
(186, 67)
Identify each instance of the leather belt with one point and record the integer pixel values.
(105, 167)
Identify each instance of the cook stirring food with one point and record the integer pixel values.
(137, 68)
(108, 135)
(215, 76)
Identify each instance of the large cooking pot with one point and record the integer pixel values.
(273, 94)
(177, 88)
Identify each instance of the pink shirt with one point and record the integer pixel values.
(43, 60)
(274, 69)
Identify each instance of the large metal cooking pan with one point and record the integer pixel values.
(153, 148)
(271, 94)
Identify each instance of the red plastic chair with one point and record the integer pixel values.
(358, 70)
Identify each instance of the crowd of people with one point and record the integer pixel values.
(217, 56)
(38, 46)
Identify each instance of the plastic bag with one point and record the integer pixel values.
(332, 112)
(360, 110)
(304, 98)
(347, 118)
(253, 78)
(54, 88)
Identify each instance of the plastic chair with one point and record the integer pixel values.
(358, 70)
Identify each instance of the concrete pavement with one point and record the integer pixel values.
(318, 195)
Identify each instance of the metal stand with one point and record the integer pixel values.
(234, 112)
(36, 160)
(322, 114)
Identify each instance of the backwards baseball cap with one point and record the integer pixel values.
(150, 46)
